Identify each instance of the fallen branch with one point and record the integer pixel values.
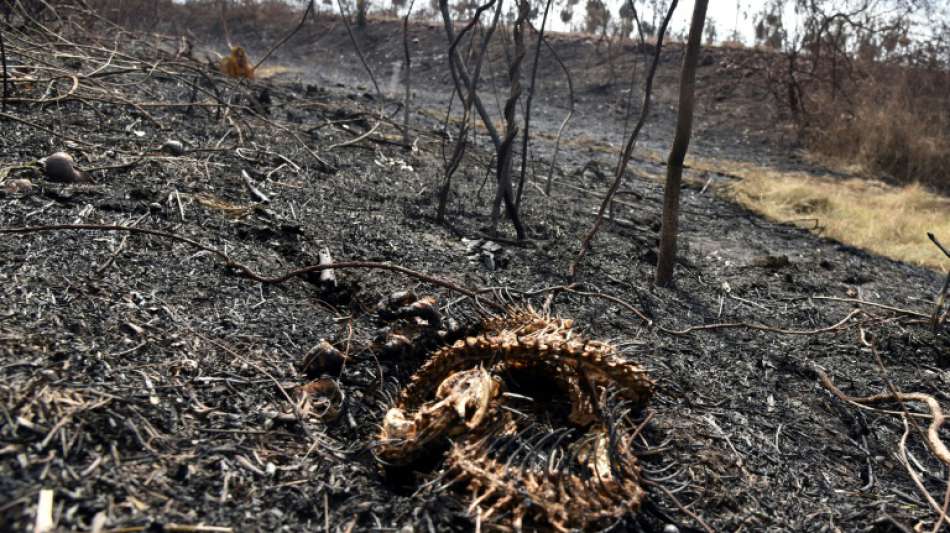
(937, 447)
(902, 457)
(356, 140)
(872, 304)
(247, 271)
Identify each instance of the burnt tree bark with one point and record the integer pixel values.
(408, 57)
(505, 193)
(674, 167)
(3, 59)
(525, 135)
(469, 98)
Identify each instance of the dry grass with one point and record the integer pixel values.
(887, 220)
(896, 123)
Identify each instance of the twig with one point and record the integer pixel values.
(902, 456)
(461, 77)
(946, 505)
(570, 288)
(937, 447)
(615, 300)
(942, 513)
(685, 510)
(356, 140)
(247, 271)
(45, 129)
(174, 528)
(525, 135)
(933, 238)
(356, 46)
(224, 22)
(297, 412)
(872, 304)
(287, 37)
(570, 114)
(936, 319)
(255, 192)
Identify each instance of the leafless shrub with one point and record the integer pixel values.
(862, 84)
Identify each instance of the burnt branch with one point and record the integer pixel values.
(287, 37)
(468, 100)
(249, 273)
(525, 135)
(6, 75)
(567, 118)
(408, 56)
(505, 150)
(460, 74)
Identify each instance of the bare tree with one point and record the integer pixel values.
(674, 167)
(465, 84)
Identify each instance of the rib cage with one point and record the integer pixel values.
(458, 393)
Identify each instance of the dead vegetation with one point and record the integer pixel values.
(865, 84)
(896, 124)
(890, 220)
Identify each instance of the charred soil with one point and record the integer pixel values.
(150, 381)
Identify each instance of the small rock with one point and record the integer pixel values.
(17, 185)
(60, 167)
(395, 346)
(323, 359)
(491, 246)
(173, 147)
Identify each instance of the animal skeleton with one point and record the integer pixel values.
(459, 394)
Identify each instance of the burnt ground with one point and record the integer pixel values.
(144, 378)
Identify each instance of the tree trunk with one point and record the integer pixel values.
(674, 168)
(505, 151)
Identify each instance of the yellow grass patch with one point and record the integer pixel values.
(884, 219)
